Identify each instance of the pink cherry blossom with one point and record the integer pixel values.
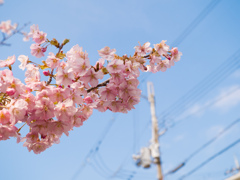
(115, 66)
(144, 49)
(101, 105)
(176, 55)
(76, 97)
(32, 74)
(39, 37)
(30, 99)
(52, 61)
(37, 50)
(92, 77)
(38, 147)
(79, 88)
(108, 93)
(6, 77)
(161, 48)
(7, 131)
(6, 27)
(107, 53)
(76, 52)
(87, 110)
(133, 68)
(44, 108)
(18, 110)
(32, 137)
(18, 86)
(24, 60)
(8, 62)
(5, 116)
(79, 118)
(64, 76)
(60, 127)
(33, 29)
(65, 110)
(163, 65)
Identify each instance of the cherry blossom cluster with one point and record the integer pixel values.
(73, 89)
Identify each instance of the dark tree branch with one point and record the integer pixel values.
(99, 85)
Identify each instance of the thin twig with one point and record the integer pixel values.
(21, 127)
(51, 75)
(99, 85)
(14, 32)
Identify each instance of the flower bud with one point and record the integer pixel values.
(10, 91)
(44, 49)
(46, 73)
(88, 100)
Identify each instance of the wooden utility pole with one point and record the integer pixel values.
(155, 133)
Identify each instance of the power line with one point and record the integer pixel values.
(204, 107)
(209, 159)
(204, 146)
(100, 164)
(195, 22)
(205, 86)
(214, 78)
(94, 149)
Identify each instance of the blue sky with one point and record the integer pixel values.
(121, 25)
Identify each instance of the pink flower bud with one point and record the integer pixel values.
(88, 100)
(10, 91)
(168, 57)
(145, 68)
(44, 49)
(46, 73)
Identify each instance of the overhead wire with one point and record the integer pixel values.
(195, 22)
(102, 165)
(210, 159)
(94, 149)
(213, 102)
(205, 145)
(202, 88)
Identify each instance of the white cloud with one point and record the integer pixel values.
(225, 100)
(229, 98)
(194, 110)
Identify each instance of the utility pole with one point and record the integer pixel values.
(151, 154)
(233, 170)
(155, 134)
